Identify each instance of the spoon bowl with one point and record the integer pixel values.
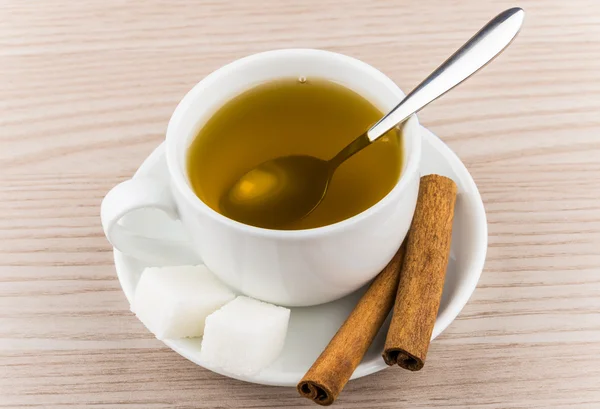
(278, 191)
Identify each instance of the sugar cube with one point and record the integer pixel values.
(173, 302)
(244, 336)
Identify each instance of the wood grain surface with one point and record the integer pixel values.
(86, 91)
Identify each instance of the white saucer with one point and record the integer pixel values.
(311, 328)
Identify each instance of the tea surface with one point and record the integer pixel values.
(291, 117)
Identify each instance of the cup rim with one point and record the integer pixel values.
(179, 179)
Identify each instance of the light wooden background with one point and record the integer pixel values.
(87, 88)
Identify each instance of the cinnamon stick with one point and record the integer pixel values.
(422, 275)
(331, 371)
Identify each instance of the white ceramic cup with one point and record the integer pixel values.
(292, 268)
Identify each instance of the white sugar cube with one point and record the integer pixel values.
(173, 302)
(244, 336)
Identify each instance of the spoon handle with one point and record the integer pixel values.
(483, 47)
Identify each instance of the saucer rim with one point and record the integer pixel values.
(375, 365)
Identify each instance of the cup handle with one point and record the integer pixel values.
(136, 194)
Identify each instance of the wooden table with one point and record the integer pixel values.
(87, 88)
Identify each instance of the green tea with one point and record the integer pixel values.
(296, 117)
